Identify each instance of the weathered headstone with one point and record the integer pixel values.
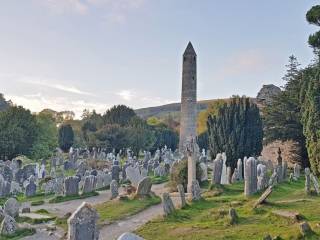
(82, 225)
(296, 170)
(134, 176)
(71, 186)
(195, 191)
(89, 184)
(308, 181)
(315, 183)
(204, 172)
(129, 236)
(250, 177)
(144, 187)
(114, 189)
(217, 169)
(31, 189)
(167, 203)
(239, 168)
(182, 196)
(8, 226)
(11, 207)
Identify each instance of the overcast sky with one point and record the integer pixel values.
(77, 54)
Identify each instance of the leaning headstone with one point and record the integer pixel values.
(129, 236)
(217, 170)
(315, 183)
(82, 225)
(144, 187)
(71, 186)
(308, 181)
(114, 189)
(273, 179)
(264, 196)
(134, 176)
(167, 203)
(250, 177)
(195, 190)
(11, 207)
(182, 196)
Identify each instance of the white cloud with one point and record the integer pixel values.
(47, 83)
(63, 6)
(126, 95)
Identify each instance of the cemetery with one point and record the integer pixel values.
(234, 168)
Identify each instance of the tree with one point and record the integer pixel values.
(18, 132)
(4, 104)
(112, 136)
(164, 136)
(140, 134)
(47, 139)
(66, 137)
(282, 118)
(313, 17)
(236, 129)
(119, 114)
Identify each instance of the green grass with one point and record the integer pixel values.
(118, 209)
(22, 198)
(34, 220)
(159, 180)
(208, 218)
(60, 199)
(37, 203)
(19, 234)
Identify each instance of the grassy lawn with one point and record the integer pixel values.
(117, 209)
(60, 199)
(35, 199)
(208, 218)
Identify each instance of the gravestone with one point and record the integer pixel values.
(204, 172)
(195, 191)
(11, 207)
(8, 225)
(71, 186)
(144, 187)
(296, 170)
(167, 204)
(31, 189)
(250, 177)
(82, 225)
(129, 236)
(239, 168)
(224, 176)
(134, 176)
(114, 189)
(182, 196)
(115, 171)
(5, 187)
(89, 184)
(315, 183)
(217, 169)
(262, 177)
(308, 181)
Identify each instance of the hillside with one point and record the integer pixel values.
(173, 109)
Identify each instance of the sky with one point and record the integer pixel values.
(93, 54)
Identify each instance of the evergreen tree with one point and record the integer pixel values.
(18, 132)
(236, 129)
(66, 137)
(119, 114)
(282, 118)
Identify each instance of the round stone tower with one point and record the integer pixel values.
(188, 122)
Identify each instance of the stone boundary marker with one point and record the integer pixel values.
(263, 197)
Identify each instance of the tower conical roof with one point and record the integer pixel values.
(189, 50)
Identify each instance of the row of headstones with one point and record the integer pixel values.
(255, 174)
(8, 213)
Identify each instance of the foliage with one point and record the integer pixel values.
(209, 217)
(164, 136)
(112, 136)
(313, 17)
(18, 132)
(47, 138)
(236, 130)
(179, 174)
(66, 137)
(119, 114)
(4, 104)
(59, 199)
(282, 118)
(203, 140)
(140, 134)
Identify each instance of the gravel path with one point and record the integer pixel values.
(107, 232)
